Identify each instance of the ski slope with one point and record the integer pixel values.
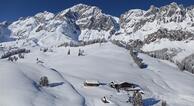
(161, 80)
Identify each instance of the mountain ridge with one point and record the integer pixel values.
(145, 30)
(91, 18)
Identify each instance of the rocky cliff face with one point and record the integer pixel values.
(93, 23)
(172, 35)
(91, 17)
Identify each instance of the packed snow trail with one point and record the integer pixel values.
(161, 80)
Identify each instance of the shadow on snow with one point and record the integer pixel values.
(56, 84)
(150, 101)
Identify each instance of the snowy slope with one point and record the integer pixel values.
(106, 62)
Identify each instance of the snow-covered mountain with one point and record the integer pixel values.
(138, 24)
(80, 22)
(35, 46)
(170, 27)
(171, 17)
(83, 22)
(93, 23)
(45, 29)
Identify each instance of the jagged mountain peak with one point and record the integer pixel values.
(90, 19)
(84, 7)
(81, 10)
(152, 8)
(173, 7)
(151, 11)
(45, 15)
(174, 4)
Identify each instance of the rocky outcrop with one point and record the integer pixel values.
(172, 35)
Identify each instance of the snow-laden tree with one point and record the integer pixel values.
(44, 81)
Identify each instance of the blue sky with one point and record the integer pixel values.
(11, 10)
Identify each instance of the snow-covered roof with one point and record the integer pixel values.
(92, 81)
